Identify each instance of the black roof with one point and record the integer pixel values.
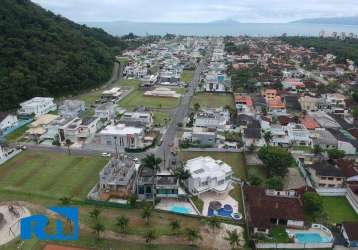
(342, 137)
(344, 124)
(326, 168)
(292, 102)
(254, 133)
(260, 101)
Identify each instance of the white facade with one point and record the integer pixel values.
(106, 111)
(38, 106)
(9, 121)
(208, 174)
(122, 136)
(140, 117)
(298, 134)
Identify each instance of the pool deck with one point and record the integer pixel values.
(224, 199)
(166, 204)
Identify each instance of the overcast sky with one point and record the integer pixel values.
(199, 10)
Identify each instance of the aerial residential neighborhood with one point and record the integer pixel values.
(194, 142)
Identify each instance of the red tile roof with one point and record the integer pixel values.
(310, 123)
(243, 99)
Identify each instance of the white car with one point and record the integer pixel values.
(106, 155)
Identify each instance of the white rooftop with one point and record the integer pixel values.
(121, 129)
(205, 167)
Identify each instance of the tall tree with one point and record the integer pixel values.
(98, 228)
(175, 226)
(276, 160)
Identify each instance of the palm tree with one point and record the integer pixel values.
(182, 173)
(175, 226)
(65, 200)
(95, 213)
(213, 223)
(192, 235)
(146, 214)
(233, 238)
(150, 236)
(268, 137)
(122, 223)
(98, 228)
(196, 107)
(152, 162)
(68, 143)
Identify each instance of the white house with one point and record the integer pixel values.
(142, 118)
(122, 136)
(298, 134)
(37, 106)
(208, 174)
(212, 118)
(106, 111)
(7, 121)
(72, 108)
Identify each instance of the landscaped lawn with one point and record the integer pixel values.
(51, 174)
(212, 100)
(161, 118)
(338, 209)
(136, 99)
(235, 160)
(187, 76)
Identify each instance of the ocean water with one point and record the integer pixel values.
(222, 29)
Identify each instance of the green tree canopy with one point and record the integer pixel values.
(276, 160)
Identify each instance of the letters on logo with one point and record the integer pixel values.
(37, 224)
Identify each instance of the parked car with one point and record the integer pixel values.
(106, 155)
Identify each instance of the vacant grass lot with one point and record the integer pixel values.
(187, 76)
(161, 118)
(235, 160)
(136, 99)
(51, 174)
(338, 210)
(91, 96)
(211, 100)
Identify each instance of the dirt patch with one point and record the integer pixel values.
(294, 179)
(58, 247)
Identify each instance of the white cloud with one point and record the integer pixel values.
(199, 10)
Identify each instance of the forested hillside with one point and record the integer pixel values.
(343, 49)
(44, 54)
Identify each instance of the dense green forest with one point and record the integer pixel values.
(343, 49)
(45, 54)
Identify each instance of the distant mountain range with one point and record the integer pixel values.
(353, 20)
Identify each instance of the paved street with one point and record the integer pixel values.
(178, 116)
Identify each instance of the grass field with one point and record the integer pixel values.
(235, 160)
(136, 99)
(42, 178)
(210, 100)
(17, 134)
(161, 118)
(187, 76)
(338, 209)
(91, 96)
(51, 174)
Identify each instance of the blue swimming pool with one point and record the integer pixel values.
(225, 211)
(311, 238)
(180, 209)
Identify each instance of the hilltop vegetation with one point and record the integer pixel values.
(343, 49)
(45, 54)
